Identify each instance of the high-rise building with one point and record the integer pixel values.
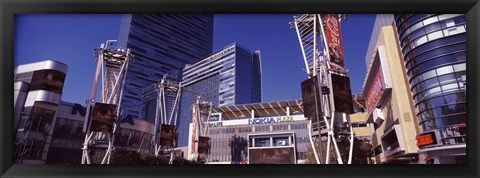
(162, 44)
(38, 90)
(434, 50)
(227, 77)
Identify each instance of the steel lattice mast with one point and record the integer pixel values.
(201, 113)
(168, 102)
(318, 63)
(112, 65)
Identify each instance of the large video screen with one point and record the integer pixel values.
(167, 135)
(50, 80)
(203, 145)
(309, 91)
(272, 156)
(103, 117)
(342, 94)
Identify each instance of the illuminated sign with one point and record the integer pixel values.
(375, 91)
(334, 39)
(270, 120)
(426, 139)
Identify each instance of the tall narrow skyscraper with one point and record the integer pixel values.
(162, 44)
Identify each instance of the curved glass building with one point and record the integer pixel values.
(434, 50)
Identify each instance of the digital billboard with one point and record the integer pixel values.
(272, 156)
(334, 39)
(204, 145)
(103, 117)
(309, 91)
(167, 135)
(342, 94)
(50, 80)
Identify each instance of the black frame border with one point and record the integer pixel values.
(8, 8)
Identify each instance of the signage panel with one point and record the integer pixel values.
(309, 92)
(375, 92)
(272, 156)
(103, 117)
(342, 94)
(334, 39)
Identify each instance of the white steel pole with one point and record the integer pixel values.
(311, 141)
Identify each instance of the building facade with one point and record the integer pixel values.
(240, 130)
(229, 76)
(388, 101)
(434, 50)
(162, 44)
(38, 90)
(68, 136)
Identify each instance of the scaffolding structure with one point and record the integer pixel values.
(312, 37)
(201, 113)
(112, 65)
(168, 101)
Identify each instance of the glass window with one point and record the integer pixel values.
(450, 87)
(447, 16)
(429, 74)
(435, 102)
(460, 67)
(421, 40)
(444, 70)
(430, 20)
(262, 142)
(435, 35)
(434, 91)
(431, 82)
(449, 78)
(281, 141)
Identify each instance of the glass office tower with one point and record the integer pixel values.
(227, 77)
(434, 49)
(161, 44)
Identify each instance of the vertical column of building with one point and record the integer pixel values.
(434, 50)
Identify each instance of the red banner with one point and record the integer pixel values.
(334, 39)
(375, 91)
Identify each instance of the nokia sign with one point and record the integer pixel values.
(265, 120)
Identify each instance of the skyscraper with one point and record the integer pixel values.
(162, 44)
(434, 50)
(227, 77)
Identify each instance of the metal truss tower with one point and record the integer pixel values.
(316, 51)
(168, 102)
(202, 111)
(112, 65)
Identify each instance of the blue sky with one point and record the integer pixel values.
(71, 39)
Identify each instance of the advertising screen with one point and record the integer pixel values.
(50, 80)
(204, 145)
(309, 91)
(375, 91)
(167, 135)
(334, 39)
(342, 94)
(103, 117)
(272, 156)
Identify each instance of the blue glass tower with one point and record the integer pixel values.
(434, 49)
(228, 77)
(162, 44)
